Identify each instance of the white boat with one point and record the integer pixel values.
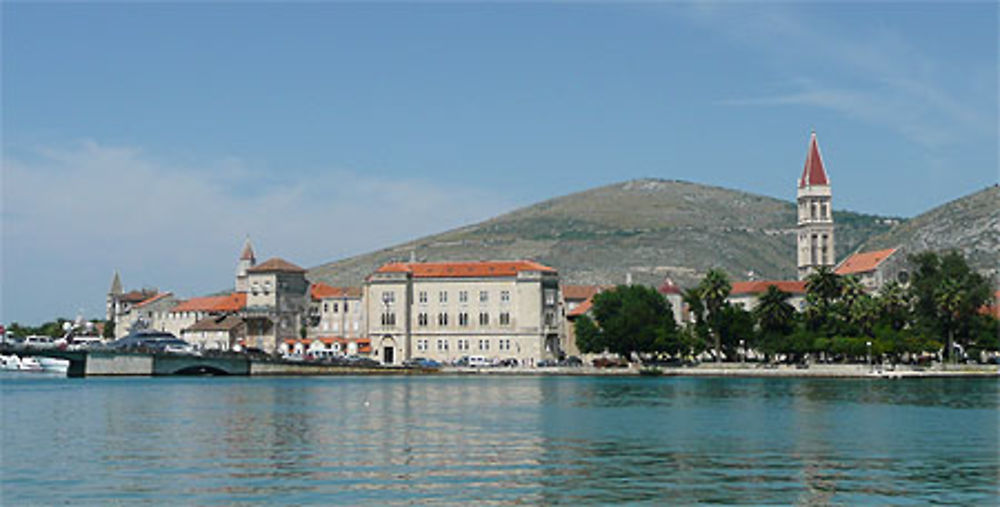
(52, 364)
(14, 363)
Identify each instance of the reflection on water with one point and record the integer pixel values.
(498, 440)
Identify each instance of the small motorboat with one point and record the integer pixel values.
(15, 363)
(52, 364)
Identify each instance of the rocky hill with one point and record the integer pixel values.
(970, 224)
(649, 228)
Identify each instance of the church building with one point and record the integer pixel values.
(815, 215)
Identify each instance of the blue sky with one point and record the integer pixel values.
(152, 138)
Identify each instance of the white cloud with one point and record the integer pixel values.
(872, 73)
(73, 214)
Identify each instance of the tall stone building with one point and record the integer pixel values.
(815, 212)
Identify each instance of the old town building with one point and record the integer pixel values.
(448, 310)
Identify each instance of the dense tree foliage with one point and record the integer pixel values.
(627, 320)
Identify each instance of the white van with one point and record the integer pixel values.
(40, 342)
(479, 361)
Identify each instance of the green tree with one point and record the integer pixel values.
(893, 306)
(588, 336)
(109, 329)
(947, 295)
(823, 289)
(773, 313)
(633, 319)
(714, 289)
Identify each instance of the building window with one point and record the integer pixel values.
(442, 344)
(388, 297)
(463, 344)
(421, 344)
(484, 296)
(463, 296)
(503, 344)
(442, 319)
(550, 297)
(505, 319)
(549, 318)
(463, 319)
(823, 211)
(484, 345)
(484, 319)
(422, 296)
(345, 306)
(443, 297)
(336, 308)
(422, 319)
(505, 296)
(388, 319)
(326, 307)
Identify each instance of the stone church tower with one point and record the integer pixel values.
(815, 223)
(247, 261)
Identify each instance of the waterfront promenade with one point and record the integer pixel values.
(755, 370)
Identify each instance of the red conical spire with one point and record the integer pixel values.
(247, 253)
(813, 173)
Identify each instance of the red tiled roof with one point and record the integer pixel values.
(669, 287)
(137, 296)
(581, 308)
(276, 264)
(321, 290)
(760, 287)
(230, 303)
(481, 269)
(863, 262)
(582, 292)
(153, 299)
(813, 173)
(247, 253)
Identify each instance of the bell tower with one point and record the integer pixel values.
(247, 261)
(815, 214)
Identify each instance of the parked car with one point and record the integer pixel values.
(607, 362)
(572, 361)
(422, 362)
(462, 361)
(361, 361)
(479, 362)
(509, 362)
(546, 363)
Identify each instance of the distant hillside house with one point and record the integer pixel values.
(746, 295)
(875, 269)
(335, 311)
(447, 310)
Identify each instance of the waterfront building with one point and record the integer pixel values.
(874, 269)
(747, 294)
(814, 233)
(135, 307)
(187, 313)
(335, 311)
(577, 301)
(221, 332)
(447, 310)
(326, 347)
(277, 300)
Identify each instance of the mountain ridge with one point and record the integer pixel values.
(651, 228)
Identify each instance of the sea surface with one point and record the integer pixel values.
(497, 440)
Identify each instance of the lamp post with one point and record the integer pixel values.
(871, 365)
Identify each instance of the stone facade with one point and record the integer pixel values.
(814, 237)
(277, 301)
(445, 311)
(875, 269)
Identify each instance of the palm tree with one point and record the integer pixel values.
(773, 312)
(949, 300)
(826, 285)
(894, 304)
(714, 290)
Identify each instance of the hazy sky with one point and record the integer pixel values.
(153, 138)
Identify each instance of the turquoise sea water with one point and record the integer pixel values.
(501, 440)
